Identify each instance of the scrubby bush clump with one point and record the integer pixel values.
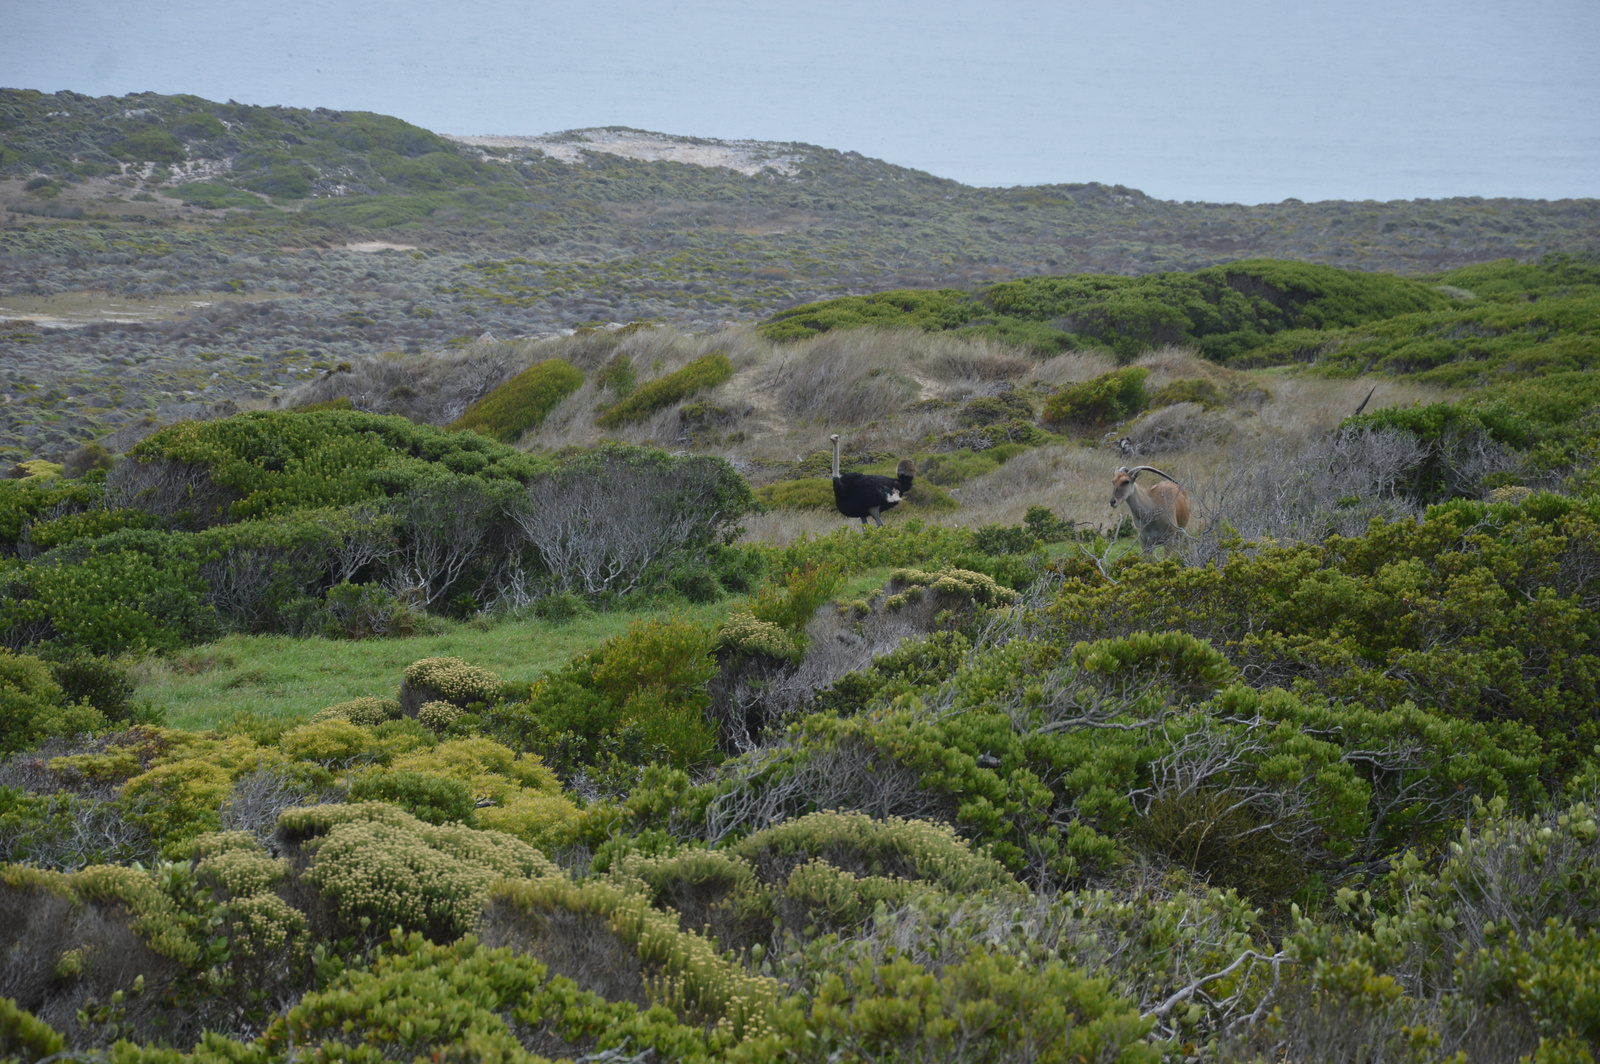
(700, 375)
(448, 680)
(366, 711)
(522, 402)
(1100, 402)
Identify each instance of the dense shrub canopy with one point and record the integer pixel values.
(1223, 310)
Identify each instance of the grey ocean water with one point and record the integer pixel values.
(1247, 101)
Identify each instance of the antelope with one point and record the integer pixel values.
(1159, 513)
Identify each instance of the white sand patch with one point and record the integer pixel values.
(748, 157)
(369, 247)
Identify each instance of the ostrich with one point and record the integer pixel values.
(864, 495)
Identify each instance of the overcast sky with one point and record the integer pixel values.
(1244, 101)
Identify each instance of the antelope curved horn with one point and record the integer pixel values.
(1136, 470)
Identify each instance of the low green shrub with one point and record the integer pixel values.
(1006, 539)
(860, 845)
(522, 402)
(430, 798)
(1201, 392)
(1103, 401)
(700, 375)
(24, 1036)
(809, 493)
(896, 1009)
(643, 692)
(619, 375)
(687, 970)
(745, 634)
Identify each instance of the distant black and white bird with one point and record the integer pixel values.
(867, 495)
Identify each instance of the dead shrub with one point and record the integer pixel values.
(843, 378)
(580, 946)
(1219, 835)
(1178, 427)
(1074, 367)
(1336, 484)
(432, 389)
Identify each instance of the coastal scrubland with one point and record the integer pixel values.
(526, 697)
(163, 256)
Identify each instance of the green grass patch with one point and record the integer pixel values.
(700, 375)
(212, 196)
(523, 402)
(278, 677)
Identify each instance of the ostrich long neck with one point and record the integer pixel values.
(836, 458)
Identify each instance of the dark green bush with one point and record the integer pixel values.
(1224, 310)
(149, 145)
(287, 181)
(103, 683)
(27, 694)
(130, 590)
(279, 461)
(1103, 401)
(522, 402)
(1202, 392)
(212, 196)
(1006, 539)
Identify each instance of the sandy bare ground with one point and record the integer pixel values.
(748, 157)
(71, 310)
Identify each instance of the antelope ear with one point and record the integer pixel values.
(1135, 474)
(1121, 469)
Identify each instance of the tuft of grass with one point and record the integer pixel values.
(522, 402)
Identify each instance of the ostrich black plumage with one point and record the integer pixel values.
(867, 495)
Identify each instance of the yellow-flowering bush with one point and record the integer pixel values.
(820, 896)
(743, 633)
(712, 891)
(154, 917)
(262, 925)
(438, 715)
(364, 710)
(964, 583)
(375, 861)
(528, 798)
(242, 872)
(447, 680)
